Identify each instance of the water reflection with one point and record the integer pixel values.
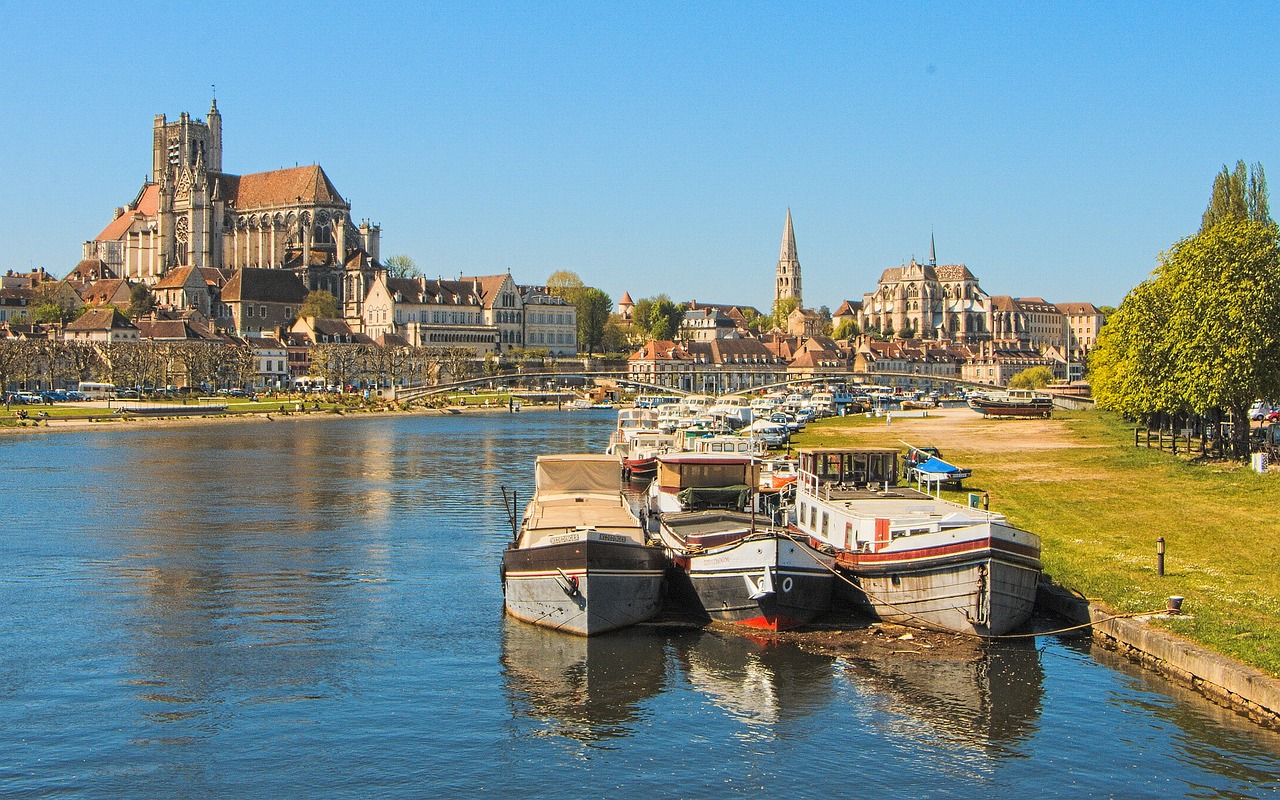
(587, 688)
(757, 680)
(986, 702)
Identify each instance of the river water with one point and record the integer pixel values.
(312, 609)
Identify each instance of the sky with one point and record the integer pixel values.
(1056, 149)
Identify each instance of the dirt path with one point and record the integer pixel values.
(964, 430)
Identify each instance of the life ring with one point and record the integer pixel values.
(787, 583)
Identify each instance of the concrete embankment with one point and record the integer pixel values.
(1223, 680)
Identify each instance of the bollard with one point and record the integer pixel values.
(1160, 556)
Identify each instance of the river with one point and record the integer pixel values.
(312, 609)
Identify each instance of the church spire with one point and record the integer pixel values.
(933, 251)
(787, 284)
(788, 252)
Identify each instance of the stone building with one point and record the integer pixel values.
(1084, 320)
(436, 314)
(258, 301)
(927, 301)
(190, 213)
(550, 321)
(707, 323)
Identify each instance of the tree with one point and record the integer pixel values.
(564, 283)
(640, 311)
(402, 266)
(1203, 335)
(141, 301)
(782, 309)
(615, 336)
(847, 328)
(1237, 195)
(664, 319)
(48, 313)
(593, 307)
(1032, 378)
(825, 323)
(320, 304)
(1223, 312)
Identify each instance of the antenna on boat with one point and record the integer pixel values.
(511, 512)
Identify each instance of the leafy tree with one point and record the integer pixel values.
(594, 307)
(1032, 378)
(1223, 313)
(565, 283)
(48, 313)
(640, 314)
(320, 304)
(402, 266)
(846, 329)
(825, 323)
(782, 309)
(753, 320)
(615, 336)
(664, 319)
(1237, 195)
(141, 301)
(1203, 335)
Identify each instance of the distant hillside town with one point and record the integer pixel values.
(271, 274)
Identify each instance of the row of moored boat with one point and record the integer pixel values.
(733, 537)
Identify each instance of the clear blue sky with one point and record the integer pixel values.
(1055, 149)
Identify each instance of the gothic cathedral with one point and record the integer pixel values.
(190, 213)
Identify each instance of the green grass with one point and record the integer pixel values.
(1099, 504)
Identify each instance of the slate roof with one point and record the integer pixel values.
(264, 286)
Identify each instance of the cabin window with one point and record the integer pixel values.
(826, 519)
(813, 517)
(802, 507)
(848, 536)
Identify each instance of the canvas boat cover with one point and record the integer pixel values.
(577, 474)
(578, 491)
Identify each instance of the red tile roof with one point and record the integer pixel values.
(281, 187)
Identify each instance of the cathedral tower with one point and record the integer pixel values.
(788, 280)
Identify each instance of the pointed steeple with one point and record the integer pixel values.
(788, 252)
(933, 251)
(787, 283)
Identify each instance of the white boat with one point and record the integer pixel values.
(639, 455)
(580, 561)
(916, 560)
(727, 443)
(734, 567)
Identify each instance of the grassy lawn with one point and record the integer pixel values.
(1099, 504)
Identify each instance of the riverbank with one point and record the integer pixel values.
(264, 413)
(1099, 505)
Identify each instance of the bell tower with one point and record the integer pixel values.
(787, 284)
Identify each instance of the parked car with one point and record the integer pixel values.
(1259, 410)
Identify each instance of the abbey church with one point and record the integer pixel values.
(192, 214)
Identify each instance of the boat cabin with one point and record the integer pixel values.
(833, 468)
(697, 481)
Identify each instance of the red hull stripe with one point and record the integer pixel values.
(942, 550)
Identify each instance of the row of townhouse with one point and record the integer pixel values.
(745, 364)
(486, 314)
